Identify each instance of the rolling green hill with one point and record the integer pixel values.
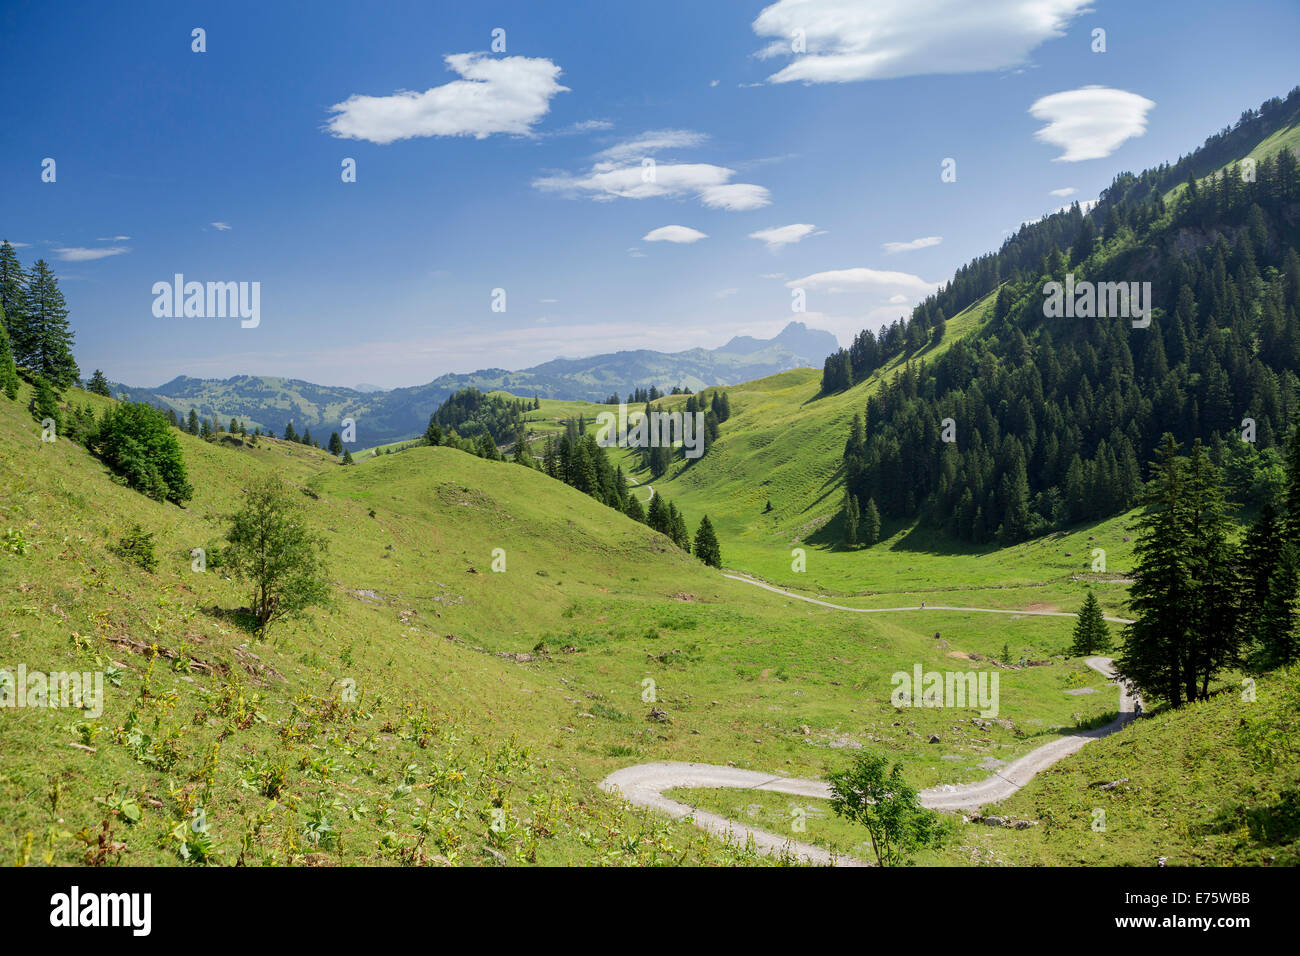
(475, 690)
(496, 643)
(383, 417)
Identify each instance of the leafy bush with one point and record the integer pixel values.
(136, 442)
(272, 549)
(137, 546)
(45, 403)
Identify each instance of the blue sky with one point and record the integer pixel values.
(522, 170)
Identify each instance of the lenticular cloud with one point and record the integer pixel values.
(495, 95)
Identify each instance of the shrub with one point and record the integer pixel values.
(139, 446)
(137, 546)
(45, 403)
(272, 549)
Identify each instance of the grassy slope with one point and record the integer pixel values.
(1184, 792)
(1287, 137)
(409, 773)
(446, 727)
(784, 444)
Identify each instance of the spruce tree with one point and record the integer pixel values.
(1216, 639)
(8, 370)
(657, 515)
(45, 403)
(1268, 592)
(677, 528)
(44, 342)
(336, 444)
(13, 293)
(850, 519)
(98, 385)
(347, 457)
(1291, 520)
(192, 422)
(1091, 636)
(1154, 644)
(634, 510)
(706, 544)
(870, 529)
(1186, 584)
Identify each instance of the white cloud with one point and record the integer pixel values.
(923, 243)
(589, 126)
(220, 226)
(779, 236)
(606, 181)
(19, 245)
(897, 299)
(736, 197)
(674, 234)
(848, 40)
(494, 95)
(1063, 191)
(842, 280)
(649, 143)
(1090, 122)
(725, 293)
(621, 172)
(78, 254)
(772, 275)
(113, 239)
(635, 253)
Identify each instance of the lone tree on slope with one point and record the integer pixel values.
(1091, 635)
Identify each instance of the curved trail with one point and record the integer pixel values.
(929, 607)
(644, 784)
(651, 487)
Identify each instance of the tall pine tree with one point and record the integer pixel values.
(8, 371)
(43, 341)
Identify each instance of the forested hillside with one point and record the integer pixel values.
(1052, 419)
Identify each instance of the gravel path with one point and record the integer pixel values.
(929, 607)
(644, 784)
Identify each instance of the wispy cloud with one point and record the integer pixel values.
(81, 254)
(682, 234)
(736, 197)
(707, 182)
(629, 170)
(494, 95)
(1063, 192)
(923, 243)
(844, 280)
(113, 239)
(1090, 122)
(650, 143)
(220, 226)
(778, 237)
(848, 40)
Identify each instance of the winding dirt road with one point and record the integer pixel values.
(644, 784)
(929, 607)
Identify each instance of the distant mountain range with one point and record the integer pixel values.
(383, 416)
